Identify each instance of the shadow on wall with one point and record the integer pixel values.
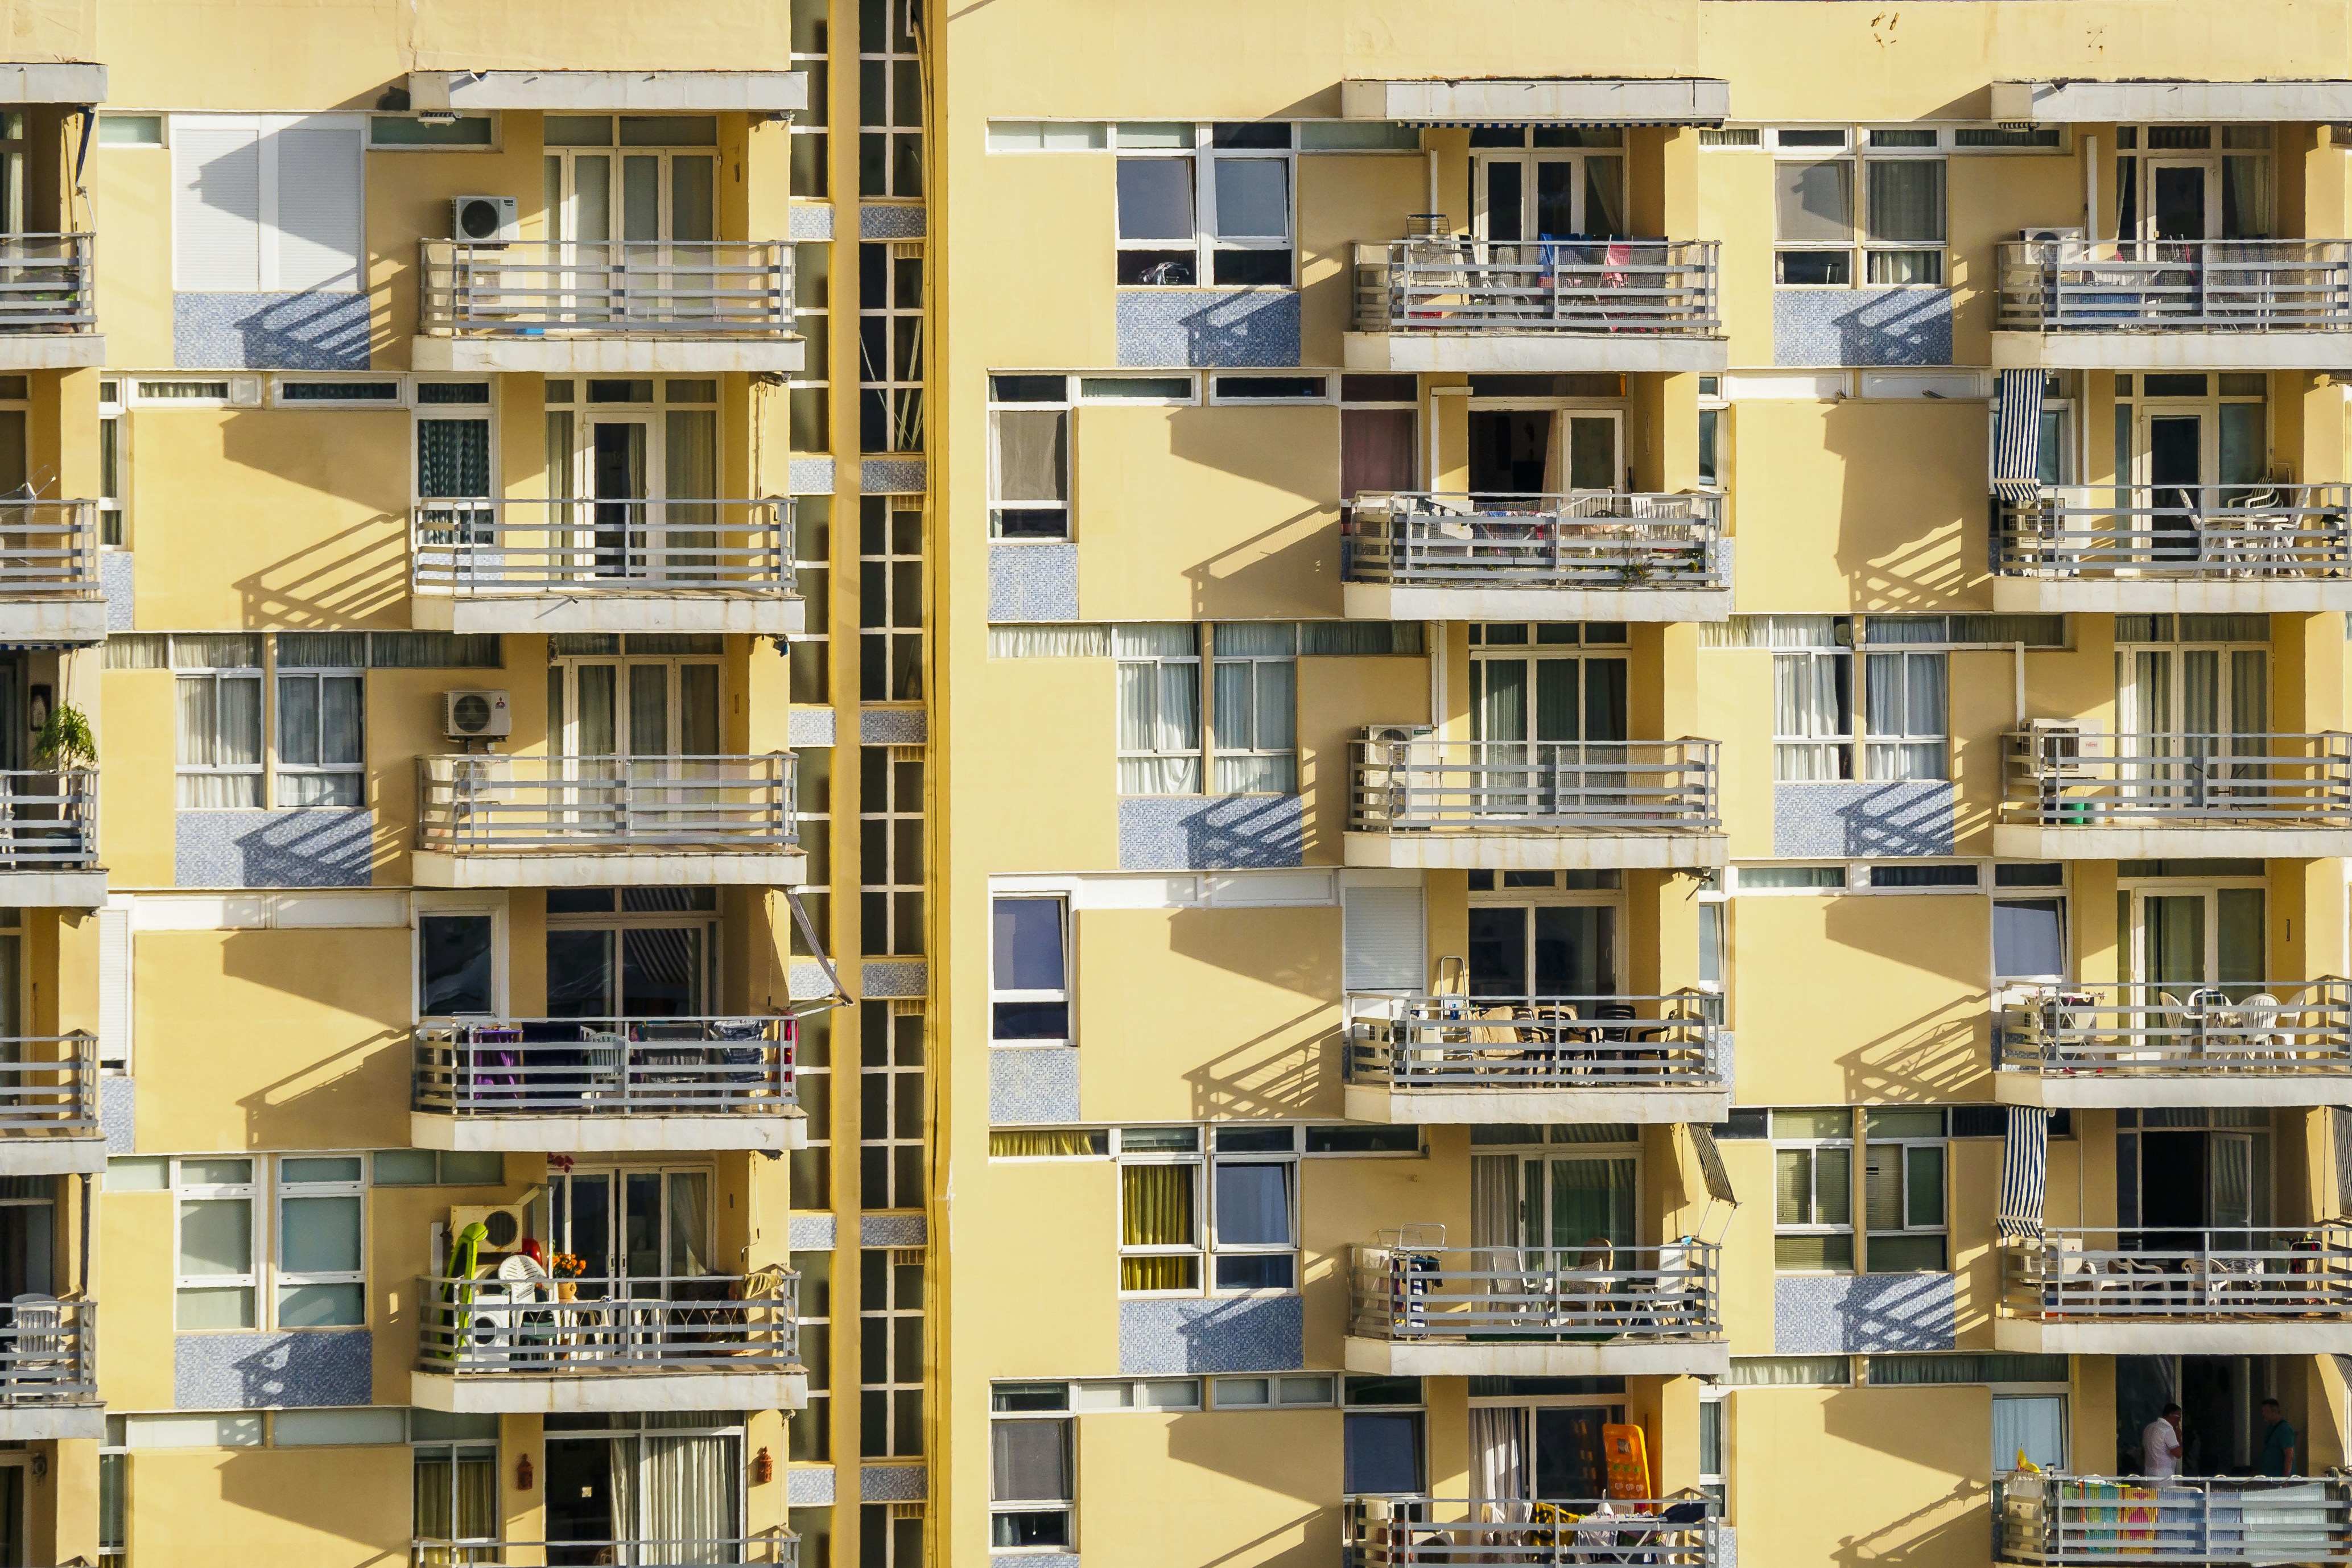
(1935, 558)
(336, 1086)
(1940, 1052)
(1270, 567)
(349, 578)
(1291, 1070)
(1194, 1440)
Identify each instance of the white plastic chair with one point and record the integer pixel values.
(39, 1340)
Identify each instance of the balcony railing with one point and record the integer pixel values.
(680, 288)
(599, 1327)
(503, 804)
(48, 1352)
(606, 1067)
(49, 821)
(1657, 286)
(48, 1087)
(573, 549)
(1592, 1293)
(2076, 777)
(2194, 285)
(1589, 539)
(780, 1548)
(2269, 1029)
(1535, 787)
(2274, 1274)
(2206, 533)
(1394, 1532)
(47, 284)
(2060, 1519)
(1499, 1043)
(48, 550)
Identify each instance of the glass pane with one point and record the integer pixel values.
(1592, 454)
(321, 1306)
(1834, 1186)
(2028, 938)
(1382, 1452)
(225, 1307)
(1155, 198)
(298, 719)
(1252, 198)
(1813, 202)
(1253, 1205)
(1923, 1187)
(649, 709)
(1028, 944)
(318, 1235)
(1792, 1186)
(1155, 1205)
(453, 964)
(1907, 200)
(216, 1235)
(2242, 958)
(690, 205)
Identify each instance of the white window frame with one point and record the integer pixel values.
(497, 142)
(282, 1191)
(1873, 744)
(316, 679)
(2059, 893)
(1902, 1147)
(1214, 723)
(1207, 240)
(423, 902)
(1815, 1226)
(1219, 398)
(277, 384)
(1715, 1409)
(1198, 751)
(114, 438)
(1197, 1249)
(1856, 154)
(1219, 1248)
(1092, 389)
(1065, 410)
(1099, 1395)
(1831, 746)
(1066, 1419)
(1066, 993)
(1312, 1391)
(259, 674)
(1741, 889)
(248, 1193)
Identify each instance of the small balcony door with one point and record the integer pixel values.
(2181, 939)
(597, 195)
(1576, 1209)
(1550, 1450)
(1521, 948)
(1545, 451)
(633, 1222)
(660, 1495)
(2184, 199)
(649, 476)
(636, 708)
(1543, 195)
(1538, 713)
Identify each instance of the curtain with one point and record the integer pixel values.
(2246, 198)
(453, 457)
(1808, 699)
(690, 1224)
(1494, 1217)
(690, 484)
(1029, 1461)
(1253, 1205)
(1256, 712)
(1906, 201)
(1498, 1450)
(689, 1500)
(1077, 641)
(219, 727)
(1025, 1142)
(2232, 1177)
(1905, 696)
(1160, 710)
(1156, 1209)
(2032, 1424)
(1032, 455)
(1604, 197)
(1378, 450)
(623, 1473)
(1593, 1200)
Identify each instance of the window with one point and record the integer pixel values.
(1903, 1190)
(890, 1354)
(2193, 183)
(115, 1494)
(1160, 1210)
(812, 56)
(1030, 478)
(890, 598)
(131, 131)
(2029, 934)
(1812, 1189)
(2030, 1428)
(809, 675)
(1033, 1468)
(266, 204)
(810, 1169)
(454, 1462)
(1159, 707)
(1812, 210)
(1254, 712)
(437, 1168)
(1712, 1467)
(890, 1105)
(1273, 1392)
(890, 850)
(217, 1262)
(654, 956)
(1904, 208)
(890, 346)
(1714, 941)
(1905, 716)
(321, 754)
(1901, 229)
(1382, 1442)
(1253, 1205)
(453, 460)
(810, 394)
(455, 957)
(1812, 716)
(813, 812)
(1029, 990)
(889, 100)
(320, 1258)
(113, 464)
(809, 1433)
(1205, 205)
(1714, 425)
(408, 133)
(218, 690)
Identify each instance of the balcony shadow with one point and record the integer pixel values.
(256, 1479)
(1948, 1053)
(1929, 553)
(1194, 1440)
(350, 577)
(1291, 1070)
(1278, 568)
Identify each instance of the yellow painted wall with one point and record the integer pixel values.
(346, 1508)
(1913, 1466)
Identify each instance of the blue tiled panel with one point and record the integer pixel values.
(1033, 583)
(890, 475)
(1256, 1334)
(811, 476)
(893, 726)
(1857, 1314)
(808, 980)
(891, 1230)
(118, 1113)
(1862, 326)
(1836, 821)
(809, 727)
(808, 1487)
(115, 580)
(901, 977)
(893, 1483)
(815, 1233)
(1727, 1551)
(320, 330)
(812, 220)
(1211, 832)
(879, 221)
(1033, 1083)
(1036, 1560)
(1170, 327)
(269, 1372)
(320, 847)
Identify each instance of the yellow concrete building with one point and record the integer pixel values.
(1596, 758)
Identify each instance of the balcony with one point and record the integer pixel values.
(778, 1547)
(49, 589)
(1516, 805)
(501, 821)
(1438, 303)
(48, 840)
(48, 1370)
(1591, 556)
(522, 1345)
(1457, 1060)
(48, 1106)
(615, 308)
(2106, 1046)
(2074, 793)
(2172, 549)
(2060, 1519)
(1502, 1312)
(2178, 1291)
(1432, 1532)
(581, 1086)
(536, 566)
(48, 303)
(2174, 304)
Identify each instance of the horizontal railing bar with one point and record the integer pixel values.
(2234, 285)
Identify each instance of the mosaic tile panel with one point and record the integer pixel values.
(807, 981)
(893, 1483)
(810, 1488)
(876, 221)
(1033, 583)
(1033, 1083)
(810, 476)
(1202, 327)
(272, 1372)
(899, 978)
(1211, 833)
(1036, 1560)
(116, 580)
(811, 220)
(1862, 326)
(892, 1230)
(1839, 821)
(815, 1233)
(809, 727)
(1861, 1314)
(118, 1113)
(890, 475)
(319, 846)
(308, 331)
(893, 726)
(1258, 1333)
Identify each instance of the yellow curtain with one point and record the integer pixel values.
(1156, 1203)
(1023, 1142)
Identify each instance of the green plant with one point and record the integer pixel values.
(65, 741)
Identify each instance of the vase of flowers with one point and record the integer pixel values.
(567, 1267)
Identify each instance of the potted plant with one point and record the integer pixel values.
(63, 744)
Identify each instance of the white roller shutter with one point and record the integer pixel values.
(267, 204)
(1385, 946)
(216, 204)
(114, 988)
(319, 217)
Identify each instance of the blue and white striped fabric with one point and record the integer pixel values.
(2017, 438)
(2024, 1170)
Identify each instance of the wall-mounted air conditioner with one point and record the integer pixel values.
(484, 220)
(476, 715)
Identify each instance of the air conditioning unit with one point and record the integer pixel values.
(504, 1225)
(484, 220)
(2057, 746)
(2031, 235)
(476, 715)
(1396, 734)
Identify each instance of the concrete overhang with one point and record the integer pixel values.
(55, 620)
(51, 1423)
(1527, 100)
(1528, 1106)
(43, 1156)
(506, 1394)
(1438, 351)
(1500, 849)
(600, 354)
(2175, 348)
(1395, 602)
(2078, 103)
(621, 869)
(52, 350)
(52, 81)
(651, 1135)
(2160, 596)
(1539, 1357)
(727, 615)
(2283, 842)
(2244, 1336)
(2110, 1090)
(623, 92)
(53, 890)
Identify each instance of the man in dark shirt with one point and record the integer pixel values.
(2279, 1441)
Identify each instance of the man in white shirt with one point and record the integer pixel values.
(2160, 1445)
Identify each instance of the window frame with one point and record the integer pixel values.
(248, 1193)
(1855, 155)
(1873, 745)
(1067, 1508)
(1066, 411)
(1212, 719)
(1810, 1147)
(280, 768)
(282, 1279)
(1064, 995)
(424, 903)
(1942, 1229)
(1197, 1249)
(1197, 753)
(1201, 156)
(1219, 1248)
(217, 675)
(113, 467)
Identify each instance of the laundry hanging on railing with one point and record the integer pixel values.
(2017, 438)
(2024, 1170)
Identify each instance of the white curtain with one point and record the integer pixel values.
(2032, 1424)
(1498, 1446)
(689, 1221)
(1494, 1218)
(690, 1499)
(1160, 710)
(1253, 1205)
(625, 1524)
(1073, 641)
(1906, 707)
(219, 727)
(1805, 702)
(2232, 1156)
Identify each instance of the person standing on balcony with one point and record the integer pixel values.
(2280, 1440)
(2160, 1445)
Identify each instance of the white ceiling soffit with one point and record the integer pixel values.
(63, 82)
(562, 91)
(1524, 100)
(2193, 102)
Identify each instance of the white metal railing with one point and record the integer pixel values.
(1661, 287)
(1500, 1044)
(772, 1549)
(48, 550)
(2060, 1519)
(2268, 1029)
(48, 1351)
(2181, 1274)
(1536, 785)
(499, 804)
(1593, 538)
(686, 289)
(2203, 284)
(605, 1067)
(2072, 776)
(48, 1087)
(584, 547)
(49, 821)
(595, 1326)
(48, 283)
(2185, 533)
(1661, 1532)
(1593, 1290)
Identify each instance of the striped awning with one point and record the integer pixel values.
(1710, 1165)
(2339, 1123)
(2017, 438)
(2024, 1170)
